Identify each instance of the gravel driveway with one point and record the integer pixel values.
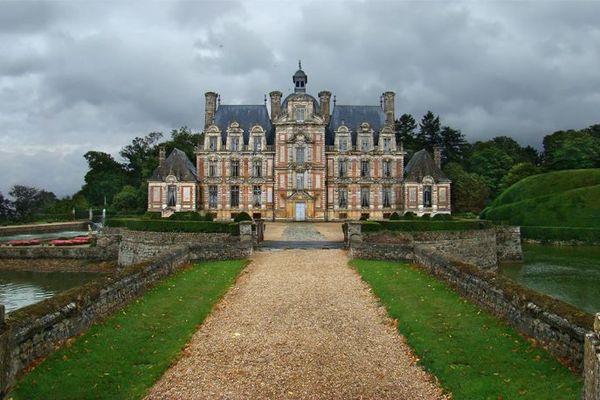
(297, 324)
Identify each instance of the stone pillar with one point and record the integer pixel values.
(210, 108)
(437, 156)
(591, 363)
(388, 108)
(354, 232)
(246, 231)
(275, 104)
(324, 98)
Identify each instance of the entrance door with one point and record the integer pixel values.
(300, 211)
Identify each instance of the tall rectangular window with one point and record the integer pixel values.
(235, 196)
(235, 168)
(343, 144)
(299, 155)
(364, 197)
(300, 114)
(212, 143)
(387, 145)
(300, 181)
(212, 168)
(387, 197)
(343, 198)
(187, 194)
(257, 143)
(387, 168)
(156, 194)
(343, 168)
(235, 143)
(364, 144)
(256, 196)
(364, 169)
(213, 196)
(257, 169)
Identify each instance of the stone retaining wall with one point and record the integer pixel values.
(561, 337)
(591, 373)
(37, 330)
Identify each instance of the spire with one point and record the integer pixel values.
(300, 79)
(299, 64)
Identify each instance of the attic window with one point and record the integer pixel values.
(300, 114)
(212, 143)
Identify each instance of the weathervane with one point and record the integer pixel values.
(299, 64)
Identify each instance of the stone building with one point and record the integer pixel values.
(306, 160)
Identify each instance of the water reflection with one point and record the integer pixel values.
(569, 273)
(22, 288)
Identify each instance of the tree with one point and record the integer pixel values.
(29, 200)
(104, 179)
(6, 208)
(571, 150)
(469, 191)
(137, 154)
(516, 173)
(128, 199)
(405, 130)
(454, 145)
(491, 163)
(429, 131)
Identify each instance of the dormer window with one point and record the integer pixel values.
(387, 145)
(343, 144)
(364, 144)
(235, 143)
(257, 143)
(212, 143)
(300, 114)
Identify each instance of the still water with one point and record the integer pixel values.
(569, 273)
(22, 288)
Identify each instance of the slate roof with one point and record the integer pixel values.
(420, 165)
(247, 116)
(177, 164)
(352, 117)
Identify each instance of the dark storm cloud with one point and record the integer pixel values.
(92, 75)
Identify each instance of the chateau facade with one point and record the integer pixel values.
(301, 161)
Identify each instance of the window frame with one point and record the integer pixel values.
(234, 190)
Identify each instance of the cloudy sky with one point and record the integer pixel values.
(79, 76)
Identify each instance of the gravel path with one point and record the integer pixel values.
(297, 324)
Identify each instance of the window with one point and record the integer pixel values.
(426, 196)
(156, 194)
(343, 198)
(213, 196)
(235, 168)
(387, 168)
(300, 181)
(187, 194)
(300, 114)
(212, 143)
(387, 197)
(364, 145)
(257, 143)
(364, 197)
(299, 155)
(343, 144)
(364, 168)
(257, 169)
(343, 168)
(235, 197)
(443, 195)
(235, 143)
(256, 196)
(212, 168)
(172, 196)
(412, 195)
(387, 144)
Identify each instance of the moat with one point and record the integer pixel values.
(569, 273)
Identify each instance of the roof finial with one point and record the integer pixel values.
(219, 99)
(381, 101)
(334, 99)
(265, 99)
(299, 64)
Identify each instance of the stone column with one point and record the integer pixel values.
(591, 363)
(354, 233)
(246, 231)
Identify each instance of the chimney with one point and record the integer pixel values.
(324, 97)
(388, 108)
(275, 104)
(161, 156)
(437, 156)
(210, 108)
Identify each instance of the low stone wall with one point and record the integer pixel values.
(591, 373)
(37, 330)
(561, 337)
(508, 243)
(44, 228)
(97, 253)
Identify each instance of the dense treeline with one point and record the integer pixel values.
(479, 171)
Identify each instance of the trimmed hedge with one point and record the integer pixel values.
(186, 216)
(174, 226)
(561, 233)
(424, 225)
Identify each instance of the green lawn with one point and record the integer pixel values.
(123, 356)
(473, 354)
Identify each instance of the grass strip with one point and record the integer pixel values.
(473, 354)
(123, 356)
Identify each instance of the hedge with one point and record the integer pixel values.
(561, 233)
(424, 225)
(174, 226)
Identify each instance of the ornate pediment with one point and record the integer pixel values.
(300, 195)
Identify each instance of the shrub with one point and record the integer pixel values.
(209, 217)
(560, 233)
(426, 216)
(409, 215)
(152, 215)
(395, 217)
(165, 225)
(243, 216)
(186, 216)
(424, 225)
(442, 217)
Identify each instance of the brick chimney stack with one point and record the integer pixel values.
(275, 104)
(210, 108)
(324, 99)
(437, 156)
(388, 108)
